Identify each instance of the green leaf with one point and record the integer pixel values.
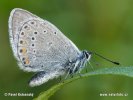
(125, 71)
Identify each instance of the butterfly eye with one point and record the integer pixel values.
(87, 55)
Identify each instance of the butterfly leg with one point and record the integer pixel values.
(91, 66)
(67, 74)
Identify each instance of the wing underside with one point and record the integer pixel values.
(37, 44)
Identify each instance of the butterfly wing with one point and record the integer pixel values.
(37, 44)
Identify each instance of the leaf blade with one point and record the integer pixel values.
(124, 71)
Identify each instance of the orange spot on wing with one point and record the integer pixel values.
(24, 50)
(27, 61)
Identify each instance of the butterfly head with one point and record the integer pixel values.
(87, 54)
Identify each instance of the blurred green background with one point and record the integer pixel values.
(104, 26)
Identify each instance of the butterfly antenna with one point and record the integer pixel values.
(116, 63)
